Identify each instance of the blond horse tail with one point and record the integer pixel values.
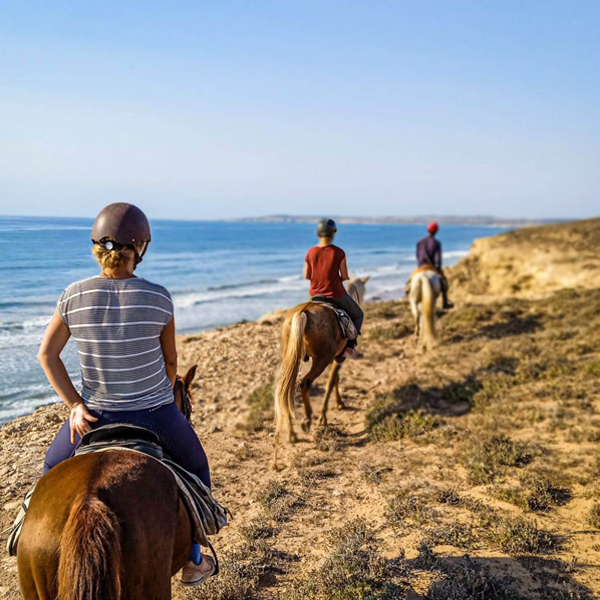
(428, 312)
(285, 387)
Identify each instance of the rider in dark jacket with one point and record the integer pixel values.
(429, 256)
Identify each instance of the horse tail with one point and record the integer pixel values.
(428, 312)
(285, 386)
(90, 552)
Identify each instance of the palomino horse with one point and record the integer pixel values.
(106, 526)
(310, 330)
(425, 287)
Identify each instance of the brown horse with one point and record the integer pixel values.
(309, 331)
(106, 526)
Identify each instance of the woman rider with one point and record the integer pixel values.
(125, 333)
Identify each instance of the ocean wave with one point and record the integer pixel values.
(456, 253)
(24, 406)
(25, 303)
(27, 228)
(233, 286)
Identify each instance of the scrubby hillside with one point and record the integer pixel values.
(534, 260)
(470, 472)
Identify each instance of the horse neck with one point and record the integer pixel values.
(354, 293)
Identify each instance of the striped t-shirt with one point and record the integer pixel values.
(117, 325)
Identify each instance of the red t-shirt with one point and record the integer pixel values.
(324, 271)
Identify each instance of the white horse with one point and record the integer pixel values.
(356, 288)
(425, 287)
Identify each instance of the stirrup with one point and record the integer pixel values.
(15, 530)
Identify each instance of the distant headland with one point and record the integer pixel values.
(481, 220)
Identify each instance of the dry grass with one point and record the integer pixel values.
(487, 457)
(535, 493)
(407, 505)
(260, 402)
(279, 501)
(389, 419)
(351, 570)
(593, 517)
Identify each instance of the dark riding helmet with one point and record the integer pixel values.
(120, 225)
(326, 228)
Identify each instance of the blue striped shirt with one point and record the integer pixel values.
(117, 324)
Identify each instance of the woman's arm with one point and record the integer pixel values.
(169, 349)
(56, 336)
(344, 270)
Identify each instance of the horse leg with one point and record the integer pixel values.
(414, 309)
(318, 366)
(338, 398)
(416, 318)
(305, 391)
(331, 384)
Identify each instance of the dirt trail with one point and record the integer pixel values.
(487, 446)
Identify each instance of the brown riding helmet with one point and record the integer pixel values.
(121, 224)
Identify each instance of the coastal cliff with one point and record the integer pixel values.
(533, 260)
(486, 447)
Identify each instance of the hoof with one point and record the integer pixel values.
(340, 405)
(323, 422)
(306, 425)
(293, 438)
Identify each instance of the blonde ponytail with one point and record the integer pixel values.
(111, 259)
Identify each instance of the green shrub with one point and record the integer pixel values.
(406, 505)
(517, 535)
(352, 570)
(486, 457)
(535, 493)
(594, 516)
(260, 402)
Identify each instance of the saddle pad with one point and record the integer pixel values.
(207, 516)
(345, 322)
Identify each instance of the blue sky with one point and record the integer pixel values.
(229, 109)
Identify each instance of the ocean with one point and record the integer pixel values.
(218, 273)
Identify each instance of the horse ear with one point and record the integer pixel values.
(365, 279)
(189, 376)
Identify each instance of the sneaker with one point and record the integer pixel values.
(194, 575)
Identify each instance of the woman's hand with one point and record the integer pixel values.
(79, 419)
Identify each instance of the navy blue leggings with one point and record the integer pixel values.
(177, 437)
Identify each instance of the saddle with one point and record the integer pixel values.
(122, 436)
(207, 516)
(345, 322)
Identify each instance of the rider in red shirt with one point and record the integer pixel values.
(325, 266)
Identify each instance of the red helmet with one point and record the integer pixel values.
(433, 227)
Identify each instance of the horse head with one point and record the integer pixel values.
(356, 287)
(182, 393)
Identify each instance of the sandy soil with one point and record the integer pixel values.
(488, 447)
